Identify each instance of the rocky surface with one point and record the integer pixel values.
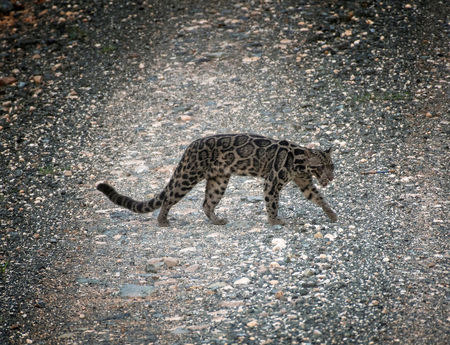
(115, 90)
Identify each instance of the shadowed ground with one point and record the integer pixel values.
(115, 91)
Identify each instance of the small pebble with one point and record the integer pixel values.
(252, 323)
(171, 262)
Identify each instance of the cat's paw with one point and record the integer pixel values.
(332, 216)
(276, 221)
(163, 223)
(219, 221)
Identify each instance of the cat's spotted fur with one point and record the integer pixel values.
(216, 158)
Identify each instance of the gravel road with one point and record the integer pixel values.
(116, 90)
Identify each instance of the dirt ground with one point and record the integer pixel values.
(115, 91)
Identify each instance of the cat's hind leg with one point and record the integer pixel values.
(179, 185)
(271, 197)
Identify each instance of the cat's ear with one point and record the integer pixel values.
(329, 150)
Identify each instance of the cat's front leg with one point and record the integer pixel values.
(329, 212)
(311, 193)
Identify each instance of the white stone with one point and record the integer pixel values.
(308, 272)
(278, 244)
(275, 266)
(188, 250)
(141, 169)
(242, 281)
(330, 237)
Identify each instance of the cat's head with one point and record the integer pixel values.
(321, 166)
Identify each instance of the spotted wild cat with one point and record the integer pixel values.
(216, 158)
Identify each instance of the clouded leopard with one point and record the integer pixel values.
(216, 158)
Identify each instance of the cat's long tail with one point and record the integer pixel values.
(127, 202)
